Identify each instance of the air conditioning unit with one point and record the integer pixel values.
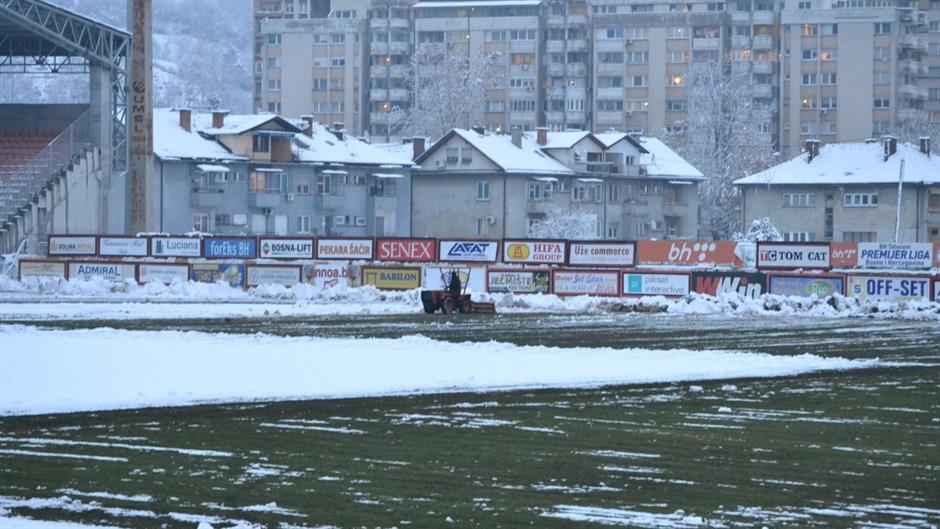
(490, 219)
(628, 113)
(360, 221)
(290, 197)
(628, 42)
(528, 89)
(525, 66)
(339, 220)
(653, 225)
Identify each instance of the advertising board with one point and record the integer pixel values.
(230, 247)
(272, 275)
(109, 271)
(688, 253)
(888, 288)
(285, 248)
(72, 245)
(905, 256)
(41, 268)
(936, 289)
(805, 285)
(747, 284)
(114, 246)
(936, 255)
(345, 248)
(468, 251)
(162, 273)
(586, 282)
(231, 273)
(406, 250)
(534, 252)
(666, 284)
(518, 281)
(843, 254)
(175, 247)
(389, 278)
(791, 256)
(327, 274)
(472, 278)
(616, 254)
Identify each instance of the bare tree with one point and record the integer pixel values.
(726, 136)
(573, 223)
(449, 90)
(916, 125)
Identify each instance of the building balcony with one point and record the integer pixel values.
(912, 67)
(912, 114)
(378, 94)
(764, 18)
(739, 18)
(609, 118)
(206, 197)
(522, 46)
(577, 45)
(554, 117)
(399, 94)
(554, 46)
(762, 42)
(933, 218)
(602, 45)
(913, 42)
(675, 209)
(264, 200)
(555, 92)
(539, 207)
(910, 91)
(763, 67)
(740, 41)
(576, 70)
(400, 23)
(610, 93)
(763, 91)
(610, 69)
(555, 70)
(572, 116)
(702, 44)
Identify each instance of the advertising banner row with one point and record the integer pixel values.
(601, 254)
(560, 281)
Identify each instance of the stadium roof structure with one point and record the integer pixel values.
(38, 37)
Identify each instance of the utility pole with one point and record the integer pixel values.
(897, 221)
(139, 204)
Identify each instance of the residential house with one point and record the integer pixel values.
(849, 192)
(263, 174)
(473, 183)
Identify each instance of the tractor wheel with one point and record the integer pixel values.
(465, 306)
(449, 305)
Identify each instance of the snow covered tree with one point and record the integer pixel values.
(915, 125)
(572, 223)
(724, 138)
(449, 90)
(761, 230)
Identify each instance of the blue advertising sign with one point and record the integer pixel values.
(230, 248)
(233, 274)
(805, 286)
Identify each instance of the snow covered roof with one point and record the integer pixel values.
(325, 147)
(660, 160)
(170, 141)
(478, 3)
(609, 139)
(239, 123)
(565, 140)
(852, 163)
(500, 150)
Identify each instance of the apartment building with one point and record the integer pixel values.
(848, 192)
(262, 174)
(391, 47)
(851, 69)
(475, 183)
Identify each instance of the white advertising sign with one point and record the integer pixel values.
(42, 269)
(574, 282)
(889, 288)
(325, 275)
(649, 284)
(620, 254)
(545, 252)
(122, 246)
(792, 256)
(344, 248)
(110, 271)
(162, 273)
(175, 247)
(936, 290)
(518, 281)
(71, 245)
(437, 277)
(273, 275)
(285, 248)
(907, 256)
(468, 251)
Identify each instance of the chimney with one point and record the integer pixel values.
(337, 131)
(891, 146)
(812, 148)
(517, 137)
(308, 124)
(417, 147)
(218, 118)
(186, 119)
(541, 135)
(479, 130)
(924, 144)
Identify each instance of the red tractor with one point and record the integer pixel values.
(453, 299)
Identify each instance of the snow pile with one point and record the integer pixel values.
(82, 370)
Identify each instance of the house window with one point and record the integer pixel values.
(201, 222)
(338, 38)
(324, 184)
(482, 227)
(261, 143)
(798, 236)
(466, 156)
(303, 189)
(882, 28)
(860, 200)
(613, 230)
(274, 39)
(268, 182)
(882, 103)
(613, 193)
(274, 84)
(799, 200)
(303, 224)
(858, 236)
(452, 156)
(483, 190)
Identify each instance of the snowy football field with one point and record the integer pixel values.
(292, 419)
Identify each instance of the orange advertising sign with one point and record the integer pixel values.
(843, 254)
(688, 253)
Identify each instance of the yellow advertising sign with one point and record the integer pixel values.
(388, 278)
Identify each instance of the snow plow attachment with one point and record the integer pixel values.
(450, 303)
